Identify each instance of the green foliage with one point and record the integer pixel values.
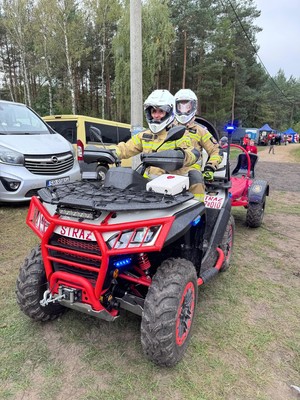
(72, 54)
(158, 35)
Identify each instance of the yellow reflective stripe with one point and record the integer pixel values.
(206, 137)
(118, 152)
(196, 166)
(136, 139)
(184, 140)
(215, 158)
(168, 146)
(147, 145)
(199, 197)
(153, 146)
(194, 136)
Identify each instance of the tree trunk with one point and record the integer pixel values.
(69, 68)
(108, 92)
(27, 97)
(102, 81)
(9, 82)
(170, 74)
(184, 60)
(233, 96)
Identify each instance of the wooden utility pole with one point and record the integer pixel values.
(136, 88)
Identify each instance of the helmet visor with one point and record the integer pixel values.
(184, 107)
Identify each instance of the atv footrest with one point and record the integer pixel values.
(209, 274)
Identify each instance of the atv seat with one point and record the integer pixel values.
(239, 187)
(242, 165)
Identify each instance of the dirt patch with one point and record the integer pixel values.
(279, 169)
(282, 154)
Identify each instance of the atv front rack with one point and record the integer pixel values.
(95, 196)
(83, 265)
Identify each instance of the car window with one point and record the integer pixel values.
(109, 133)
(18, 119)
(68, 129)
(124, 134)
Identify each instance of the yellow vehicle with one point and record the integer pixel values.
(76, 129)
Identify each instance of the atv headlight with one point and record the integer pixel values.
(133, 238)
(12, 157)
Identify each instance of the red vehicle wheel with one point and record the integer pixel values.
(31, 285)
(169, 311)
(255, 214)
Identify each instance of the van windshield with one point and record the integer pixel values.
(17, 119)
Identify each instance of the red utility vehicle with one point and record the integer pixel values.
(246, 191)
(128, 244)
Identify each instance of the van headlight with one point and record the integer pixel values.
(11, 157)
(72, 150)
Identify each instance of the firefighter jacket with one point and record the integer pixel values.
(148, 142)
(203, 139)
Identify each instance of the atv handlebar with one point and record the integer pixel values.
(94, 154)
(168, 160)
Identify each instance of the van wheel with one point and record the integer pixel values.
(101, 172)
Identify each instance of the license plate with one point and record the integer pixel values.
(214, 200)
(75, 233)
(58, 181)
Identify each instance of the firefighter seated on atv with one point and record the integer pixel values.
(159, 110)
(186, 104)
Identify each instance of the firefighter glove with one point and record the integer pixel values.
(208, 173)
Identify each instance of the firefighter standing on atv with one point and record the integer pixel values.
(159, 110)
(186, 104)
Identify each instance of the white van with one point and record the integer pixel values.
(32, 155)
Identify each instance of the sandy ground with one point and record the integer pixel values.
(282, 153)
(281, 170)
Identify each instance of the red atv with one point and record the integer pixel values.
(246, 191)
(128, 244)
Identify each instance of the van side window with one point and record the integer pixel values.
(124, 134)
(67, 129)
(108, 133)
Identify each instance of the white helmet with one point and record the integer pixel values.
(164, 100)
(186, 104)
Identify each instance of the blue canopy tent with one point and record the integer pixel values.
(264, 131)
(266, 128)
(290, 132)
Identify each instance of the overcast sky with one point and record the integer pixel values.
(280, 39)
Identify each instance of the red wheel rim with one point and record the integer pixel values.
(185, 314)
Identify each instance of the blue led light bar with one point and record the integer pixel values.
(122, 263)
(196, 220)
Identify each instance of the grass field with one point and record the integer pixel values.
(246, 338)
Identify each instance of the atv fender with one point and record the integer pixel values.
(215, 231)
(258, 191)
